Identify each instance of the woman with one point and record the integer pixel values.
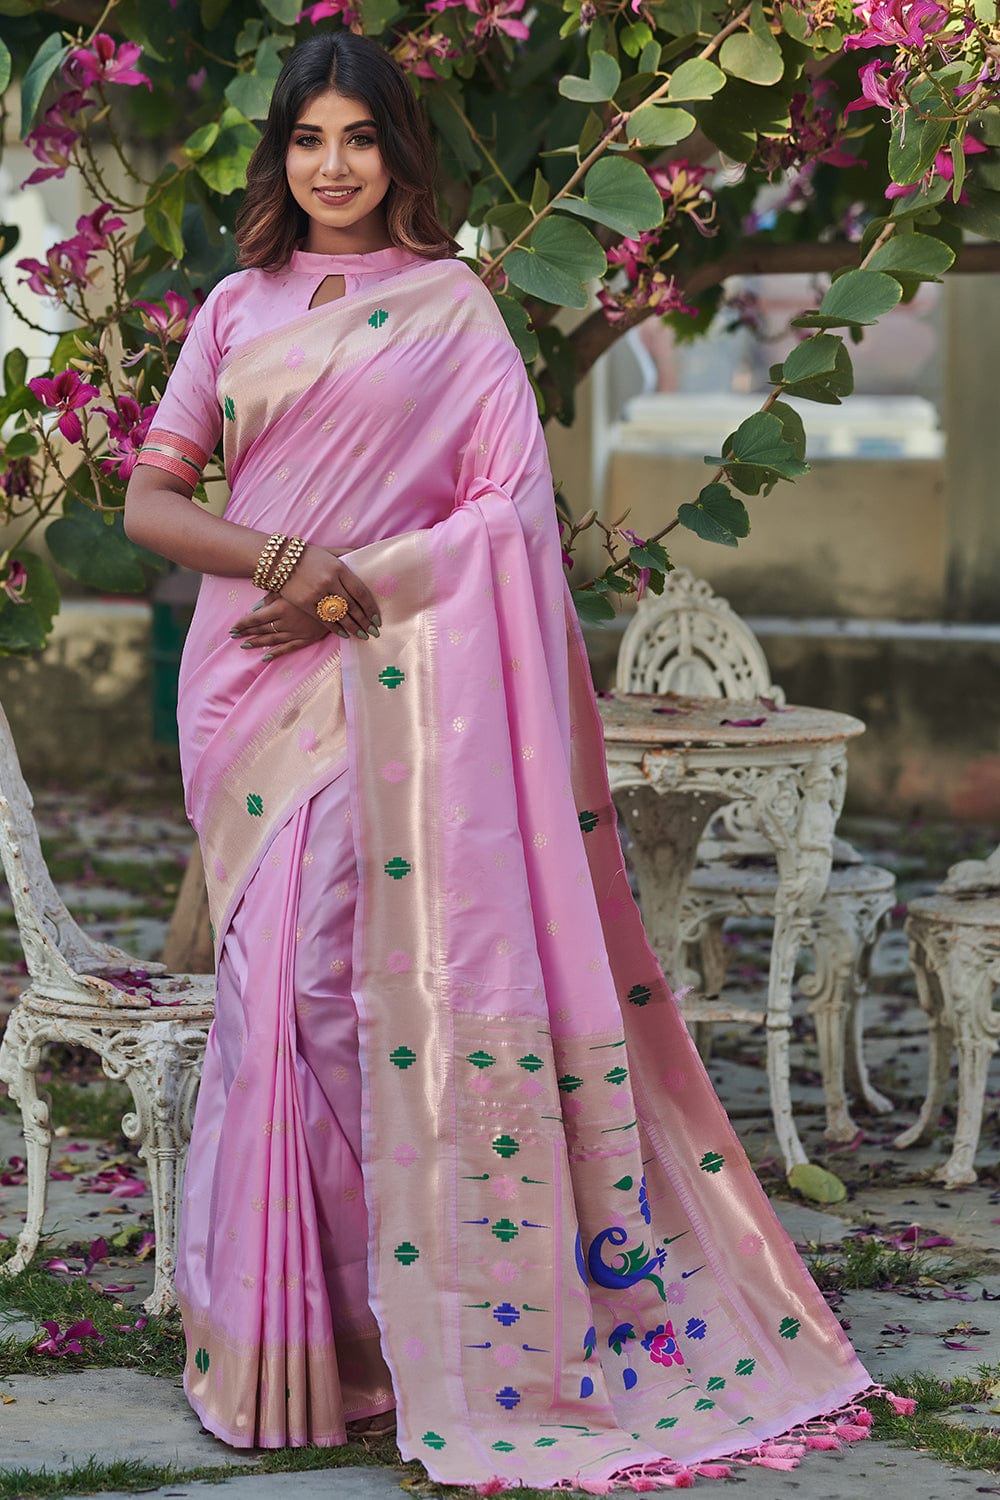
(454, 1151)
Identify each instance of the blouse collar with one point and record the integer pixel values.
(315, 264)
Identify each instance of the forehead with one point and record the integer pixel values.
(333, 111)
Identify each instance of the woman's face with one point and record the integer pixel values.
(337, 176)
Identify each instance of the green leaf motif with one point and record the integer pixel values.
(717, 517)
(406, 1253)
(379, 318)
(753, 55)
(697, 78)
(712, 1162)
(660, 125)
(556, 262)
(50, 56)
(397, 868)
(788, 1328)
(255, 804)
(506, 1146)
(402, 1058)
(665, 1423)
(229, 409)
(569, 1083)
(618, 193)
(376, 15)
(391, 677)
(481, 1059)
(505, 1230)
(639, 994)
(715, 1383)
(530, 1063)
(433, 1440)
(202, 1360)
(704, 1404)
(746, 1366)
(502, 1446)
(605, 76)
(588, 821)
(625, 1184)
(617, 1076)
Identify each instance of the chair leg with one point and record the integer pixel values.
(940, 1042)
(973, 1066)
(834, 952)
(855, 1067)
(20, 1054)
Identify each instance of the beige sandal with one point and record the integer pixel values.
(383, 1425)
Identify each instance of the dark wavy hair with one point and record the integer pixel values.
(270, 223)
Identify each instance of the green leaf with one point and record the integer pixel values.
(559, 354)
(761, 441)
(285, 11)
(249, 37)
(539, 193)
(224, 167)
(697, 78)
(25, 626)
(212, 12)
(815, 356)
(913, 146)
(717, 517)
(201, 141)
(376, 15)
(921, 255)
(50, 56)
(164, 215)
(605, 76)
(449, 125)
(593, 608)
(660, 125)
(518, 326)
(5, 66)
(9, 236)
(250, 94)
(634, 38)
(557, 262)
(816, 1183)
(735, 118)
(980, 215)
(650, 555)
(21, 445)
(753, 55)
(618, 193)
(792, 426)
(15, 369)
(854, 300)
(819, 369)
(510, 218)
(95, 553)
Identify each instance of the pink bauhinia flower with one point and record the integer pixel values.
(414, 51)
(66, 393)
(943, 166)
(54, 137)
(681, 185)
(325, 10)
(897, 23)
(105, 63)
(128, 425)
(878, 89)
(94, 229)
(170, 322)
(16, 582)
(497, 15)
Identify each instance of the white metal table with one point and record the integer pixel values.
(672, 762)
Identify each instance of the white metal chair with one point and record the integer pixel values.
(690, 641)
(148, 1032)
(955, 952)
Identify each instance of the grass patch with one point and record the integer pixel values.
(971, 1447)
(86, 1109)
(157, 1349)
(868, 1264)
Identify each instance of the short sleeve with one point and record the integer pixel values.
(188, 420)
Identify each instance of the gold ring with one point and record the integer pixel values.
(331, 608)
(273, 626)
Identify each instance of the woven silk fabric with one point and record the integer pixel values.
(573, 1270)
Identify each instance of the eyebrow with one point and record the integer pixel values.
(355, 125)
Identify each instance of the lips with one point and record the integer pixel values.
(336, 197)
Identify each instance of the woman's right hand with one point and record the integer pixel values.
(320, 572)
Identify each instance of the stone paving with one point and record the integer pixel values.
(948, 1326)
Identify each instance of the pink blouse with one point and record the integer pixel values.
(188, 421)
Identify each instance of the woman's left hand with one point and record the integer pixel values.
(277, 627)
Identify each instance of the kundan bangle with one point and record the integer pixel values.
(286, 567)
(268, 558)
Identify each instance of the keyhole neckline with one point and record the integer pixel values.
(313, 263)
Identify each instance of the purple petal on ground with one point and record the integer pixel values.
(59, 1265)
(771, 706)
(115, 1289)
(966, 1348)
(744, 723)
(130, 1189)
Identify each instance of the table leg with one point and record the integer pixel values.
(664, 829)
(798, 811)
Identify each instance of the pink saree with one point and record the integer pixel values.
(454, 1149)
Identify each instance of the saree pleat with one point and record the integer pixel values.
(572, 1271)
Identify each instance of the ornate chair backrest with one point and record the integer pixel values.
(690, 641)
(974, 876)
(54, 946)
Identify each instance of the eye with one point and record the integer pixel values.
(362, 140)
(306, 139)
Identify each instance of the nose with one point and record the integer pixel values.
(334, 163)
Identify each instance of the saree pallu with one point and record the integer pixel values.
(572, 1271)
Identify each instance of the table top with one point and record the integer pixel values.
(670, 720)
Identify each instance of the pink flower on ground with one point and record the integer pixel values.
(106, 63)
(59, 1343)
(66, 393)
(16, 582)
(127, 428)
(325, 10)
(497, 15)
(897, 23)
(170, 322)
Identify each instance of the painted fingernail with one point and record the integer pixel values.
(362, 635)
(373, 630)
(268, 656)
(235, 634)
(377, 621)
(341, 631)
(247, 646)
(260, 604)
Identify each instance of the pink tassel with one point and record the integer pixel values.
(681, 1481)
(714, 1471)
(776, 1463)
(902, 1405)
(597, 1486)
(863, 1416)
(492, 1486)
(823, 1440)
(851, 1432)
(642, 1482)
